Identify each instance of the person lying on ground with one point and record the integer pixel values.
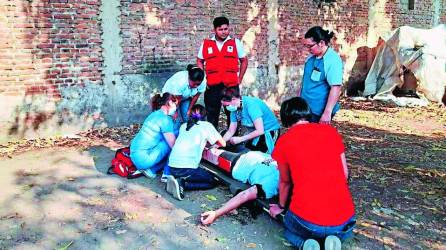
(313, 178)
(257, 169)
(186, 155)
(254, 115)
(152, 144)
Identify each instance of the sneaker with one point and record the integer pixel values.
(173, 188)
(148, 173)
(164, 177)
(311, 244)
(332, 243)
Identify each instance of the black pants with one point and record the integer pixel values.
(212, 101)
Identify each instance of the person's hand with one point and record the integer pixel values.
(235, 140)
(274, 210)
(325, 118)
(208, 217)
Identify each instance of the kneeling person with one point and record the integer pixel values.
(259, 170)
(186, 155)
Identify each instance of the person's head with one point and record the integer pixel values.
(167, 100)
(317, 40)
(294, 110)
(197, 113)
(196, 75)
(231, 98)
(221, 28)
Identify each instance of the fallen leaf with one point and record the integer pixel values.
(66, 246)
(211, 197)
(220, 239)
(251, 245)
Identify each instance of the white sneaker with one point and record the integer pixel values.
(164, 177)
(173, 188)
(148, 173)
(332, 243)
(311, 244)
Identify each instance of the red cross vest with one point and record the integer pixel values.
(221, 66)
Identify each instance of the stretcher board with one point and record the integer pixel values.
(212, 160)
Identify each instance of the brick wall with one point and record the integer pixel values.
(46, 45)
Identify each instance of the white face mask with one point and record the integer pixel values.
(172, 109)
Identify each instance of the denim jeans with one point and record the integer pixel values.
(194, 178)
(298, 230)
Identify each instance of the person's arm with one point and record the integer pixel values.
(231, 131)
(209, 217)
(284, 190)
(259, 130)
(170, 138)
(192, 102)
(344, 165)
(333, 97)
(243, 67)
(200, 63)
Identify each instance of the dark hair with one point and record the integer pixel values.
(318, 34)
(219, 21)
(198, 113)
(195, 73)
(294, 110)
(160, 100)
(230, 92)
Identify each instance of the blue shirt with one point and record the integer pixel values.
(252, 109)
(152, 130)
(178, 84)
(256, 167)
(316, 87)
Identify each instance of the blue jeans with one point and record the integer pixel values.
(298, 230)
(315, 118)
(194, 178)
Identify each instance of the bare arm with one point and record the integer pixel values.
(192, 102)
(333, 97)
(231, 131)
(259, 130)
(284, 190)
(200, 63)
(242, 197)
(170, 138)
(243, 67)
(344, 165)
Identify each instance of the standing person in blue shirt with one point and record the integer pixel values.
(255, 116)
(152, 144)
(322, 79)
(186, 85)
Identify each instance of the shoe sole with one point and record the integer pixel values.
(332, 243)
(173, 188)
(311, 244)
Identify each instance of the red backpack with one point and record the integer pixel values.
(122, 165)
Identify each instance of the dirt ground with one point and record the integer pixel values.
(56, 194)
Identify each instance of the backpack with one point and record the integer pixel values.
(122, 165)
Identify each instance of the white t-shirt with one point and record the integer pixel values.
(188, 148)
(178, 84)
(238, 44)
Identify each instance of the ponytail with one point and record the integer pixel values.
(160, 100)
(198, 113)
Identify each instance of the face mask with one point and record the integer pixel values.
(231, 108)
(172, 109)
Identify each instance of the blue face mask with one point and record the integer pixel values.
(231, 108)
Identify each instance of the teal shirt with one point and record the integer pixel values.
(252, 109)
(315, 90)
(152, 130)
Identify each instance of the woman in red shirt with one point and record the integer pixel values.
(313, 180)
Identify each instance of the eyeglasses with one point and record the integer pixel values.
(310, 46)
